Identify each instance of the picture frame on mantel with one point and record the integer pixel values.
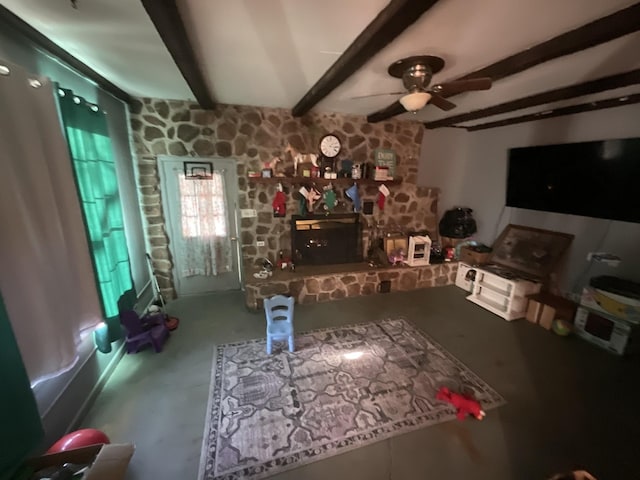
(533, 251)
(385, 157)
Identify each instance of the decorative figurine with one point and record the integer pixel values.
(300, 158)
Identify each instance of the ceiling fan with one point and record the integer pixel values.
(416, 73)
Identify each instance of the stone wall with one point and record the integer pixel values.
(254, 135)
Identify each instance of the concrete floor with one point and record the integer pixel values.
(569, 403)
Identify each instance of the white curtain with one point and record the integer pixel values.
(46, 275)
(205, 243)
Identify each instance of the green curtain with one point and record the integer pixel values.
(90, 147)
(20, 427)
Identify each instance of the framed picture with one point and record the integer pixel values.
(385, 157)
(198, 170)
(530, 250)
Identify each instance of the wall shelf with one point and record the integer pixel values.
(320, 181)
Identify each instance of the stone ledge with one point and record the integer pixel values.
(333, 282)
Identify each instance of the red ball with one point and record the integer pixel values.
(79, 438)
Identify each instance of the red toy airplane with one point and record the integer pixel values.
(464, 404)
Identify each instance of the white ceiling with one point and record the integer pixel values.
(270, 52)
(114, 37)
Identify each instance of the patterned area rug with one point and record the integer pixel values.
(343, 388)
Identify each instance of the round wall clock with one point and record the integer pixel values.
(330, 146)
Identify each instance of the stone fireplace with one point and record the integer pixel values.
(326, 239)
(255, 135)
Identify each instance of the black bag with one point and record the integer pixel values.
(458, 223)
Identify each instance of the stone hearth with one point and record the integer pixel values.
(312, 284)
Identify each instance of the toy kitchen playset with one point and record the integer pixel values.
(609, 314)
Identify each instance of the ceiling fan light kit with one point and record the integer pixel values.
(412, 102)
(416, 73)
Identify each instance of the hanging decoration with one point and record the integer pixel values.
(352, 193)
(329, 198)
(279, 203)
(304, 193)
(312, 197)
(383, 193)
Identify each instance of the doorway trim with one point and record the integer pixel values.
(232, 192)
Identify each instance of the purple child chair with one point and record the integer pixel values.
(150, 329)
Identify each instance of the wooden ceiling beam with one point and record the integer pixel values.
(168, 22)
(392, 110)
(605, 29)
(618, 24)
(558, 112)
(11, 21)
(586, 88)
(387, 25)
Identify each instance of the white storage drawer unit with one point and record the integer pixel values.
(465, 276)
(506, 297)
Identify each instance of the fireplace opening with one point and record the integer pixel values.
(326, 239)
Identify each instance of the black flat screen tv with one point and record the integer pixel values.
(594, 179)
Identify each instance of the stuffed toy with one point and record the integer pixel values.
(464, 404)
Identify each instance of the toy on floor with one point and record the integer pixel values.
(170, 322)
(464, 404)
(79, 438)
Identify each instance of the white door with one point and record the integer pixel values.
(201, 223)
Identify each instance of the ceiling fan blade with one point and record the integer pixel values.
(441, 102)
(459, 86)
(377, 95)
(392, 110)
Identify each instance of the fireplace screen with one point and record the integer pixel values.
(325, 240)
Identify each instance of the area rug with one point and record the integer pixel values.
(341, 389)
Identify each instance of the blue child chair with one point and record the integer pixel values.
(279, 312)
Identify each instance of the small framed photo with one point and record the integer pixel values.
(198, 170)
(267, 173)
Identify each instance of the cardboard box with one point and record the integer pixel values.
(544, 308)
(541, 314)
(472, 257)
(108, 462)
